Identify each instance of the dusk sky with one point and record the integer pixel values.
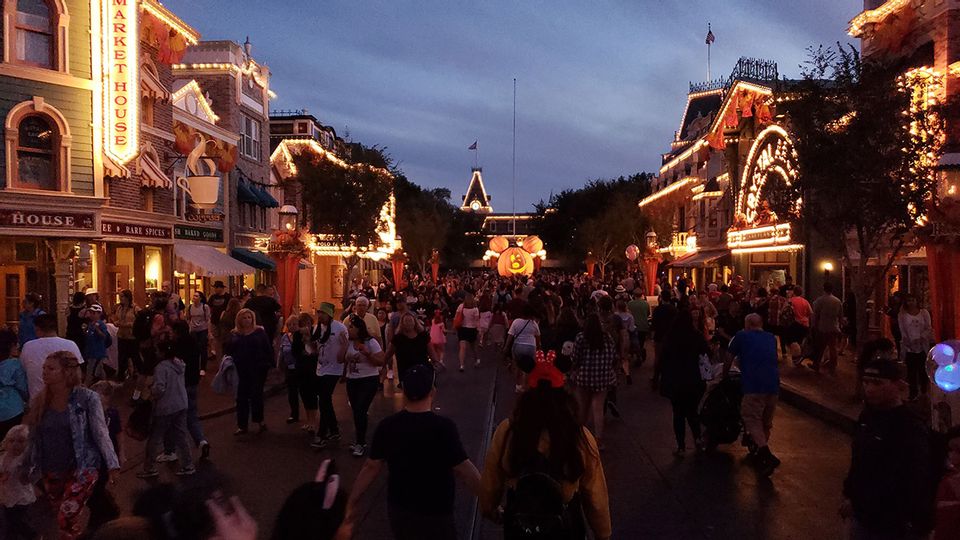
(601, 84)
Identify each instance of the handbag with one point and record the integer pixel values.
(458, 319)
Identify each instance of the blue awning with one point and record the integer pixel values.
(266, 200)
(246, 193)
(260, 261)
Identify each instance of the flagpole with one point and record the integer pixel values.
(709, 43)
(514, 157)
(476, 155)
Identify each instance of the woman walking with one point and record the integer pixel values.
(411, 345)
(228, 320)
(680, 378)
(305, 352)
(363, 360)
(75, 318)
(595, 358)
(544, 436)
(198, 314)
(128, 351)
(13, 384)
(252, 355)
(523, 342)
(438, 337)
(916, 333)
(70, 441)
(330, 337)
(469, 319)
(288, 362)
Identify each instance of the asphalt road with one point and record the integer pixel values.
(652, 493)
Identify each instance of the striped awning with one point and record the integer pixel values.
(208, 261)
(151, 175)
(113, 168)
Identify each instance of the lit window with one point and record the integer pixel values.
(34, 35)
(36, 160)
(250, 138)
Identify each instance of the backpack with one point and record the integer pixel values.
(535, 509)
(787, 316)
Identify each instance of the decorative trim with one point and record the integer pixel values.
(11, 134)
(48, 76)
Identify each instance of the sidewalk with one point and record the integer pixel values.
(828, 395)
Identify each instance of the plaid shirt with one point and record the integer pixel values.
(775, 305)
(594, 369)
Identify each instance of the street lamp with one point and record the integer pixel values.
(288, 217)
(827, 267)
(652, 240)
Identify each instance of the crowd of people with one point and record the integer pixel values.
(570, 341)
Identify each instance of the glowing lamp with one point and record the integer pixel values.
(943, 364)
(692, 242)
(652, 240)
(288, 217)
(827, 266)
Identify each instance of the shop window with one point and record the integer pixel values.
(146, 110)
(242, 210)
(250, 138)
(37, 147)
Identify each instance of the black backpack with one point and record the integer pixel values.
(142, 324)
(535, 509)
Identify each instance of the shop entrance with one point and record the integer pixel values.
(14, 289)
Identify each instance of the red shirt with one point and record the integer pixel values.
(801, 310)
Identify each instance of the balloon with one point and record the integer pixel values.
(499, 243)
(943, 354)
(632, 252)
(532, 244)
(943, 365)
(948, 377)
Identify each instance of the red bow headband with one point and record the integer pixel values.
(544, 370)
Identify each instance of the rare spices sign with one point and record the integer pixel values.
(135, 230)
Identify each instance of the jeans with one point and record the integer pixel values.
(686, 409)
(361, 392)
(94, 371)
(250, 397)
(193, 423)
(916, 375)
(128, 351)
(202, 337)
(293, 393)
(524, 357)
(326, 384)
(172, 425)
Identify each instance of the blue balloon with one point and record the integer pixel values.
(948, 377)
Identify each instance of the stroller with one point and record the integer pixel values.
(720, 412)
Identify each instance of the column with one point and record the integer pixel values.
(63, 253)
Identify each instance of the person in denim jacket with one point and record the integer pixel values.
(96, 342)
(70, 442)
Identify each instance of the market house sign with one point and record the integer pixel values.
(134, 230)
(120, 87)
(184, 232)
(27, 219)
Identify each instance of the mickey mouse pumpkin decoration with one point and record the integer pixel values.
(515, 260)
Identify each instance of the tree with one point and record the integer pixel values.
(866, 136)
(607, 234)
(341, 203)
(424, 218)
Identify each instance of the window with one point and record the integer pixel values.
(146, 110)
(34, 33)
(36, 160)
(263, 218)
(243, 214)
(250, 138)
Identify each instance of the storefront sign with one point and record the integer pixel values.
(184, 232)
(132, 229)
(120, 64)
(38, 219)
(205, 218)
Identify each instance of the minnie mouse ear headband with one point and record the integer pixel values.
(544, 370)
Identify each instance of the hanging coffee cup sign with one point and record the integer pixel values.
(202, 184)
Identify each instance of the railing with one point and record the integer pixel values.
(282, 113)
(749, 69)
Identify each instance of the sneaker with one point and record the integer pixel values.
(292, 420)
(318, 442)
(766, 461)
(333, 437)
(166, 458)
(148, 474)
(204, 450)
(680, 451)
(187, 471)
(358, 450)
(518, 388)
(240, 431)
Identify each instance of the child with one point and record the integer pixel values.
(103, 507)
(169, 395)
(948, 494)
(16, 491)
(96, 342)
(438, 337)
(498, 327)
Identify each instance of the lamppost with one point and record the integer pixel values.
(287, 247)
(651, 260)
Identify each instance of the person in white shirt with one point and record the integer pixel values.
(329, 343)
(363, 360)
(917, 338)
(36, 351)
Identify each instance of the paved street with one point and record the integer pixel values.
(653, 494)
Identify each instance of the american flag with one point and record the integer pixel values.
(710, 36)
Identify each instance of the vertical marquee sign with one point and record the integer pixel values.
(120, 66)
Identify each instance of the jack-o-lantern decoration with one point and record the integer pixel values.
(515, 261)
(499, 243)
(533, 244)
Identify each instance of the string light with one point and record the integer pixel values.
(872, 16)
(707, 195)
(667, 190)
(194, 87)
(774, 157)
(770, 235)
(154, 8)
(252, 70)
(771, 249)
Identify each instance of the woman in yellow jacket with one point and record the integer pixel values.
(543, 444)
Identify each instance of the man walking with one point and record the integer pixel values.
(423, 453)
(825, 325)
(889, 489)
(36, 351)
(640, 309)
(756, 353)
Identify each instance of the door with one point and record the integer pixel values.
(14, 289)
(118, 279)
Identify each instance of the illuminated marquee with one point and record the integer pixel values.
(120, 43)
(771, 154)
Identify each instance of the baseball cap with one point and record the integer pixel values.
(88, 292)
(882, 368)
(418, 381)
(328, 308)
(96, 308)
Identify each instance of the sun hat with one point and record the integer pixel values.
(328, 308)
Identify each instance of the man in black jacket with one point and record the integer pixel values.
(889, 489)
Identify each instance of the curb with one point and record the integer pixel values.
(793, 396)
(267, 392)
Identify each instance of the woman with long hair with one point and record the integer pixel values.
(438, 337)
(306, 354)
(916, 331)
(198, 315)
(595, 358)
(228, 320)
(544, 436)
(288, 363)
(252, 355)
(128, 351)
(363, 359)
(410, 344)
(75, 319)
(70, 441)
(469, 320)
(680, 378)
